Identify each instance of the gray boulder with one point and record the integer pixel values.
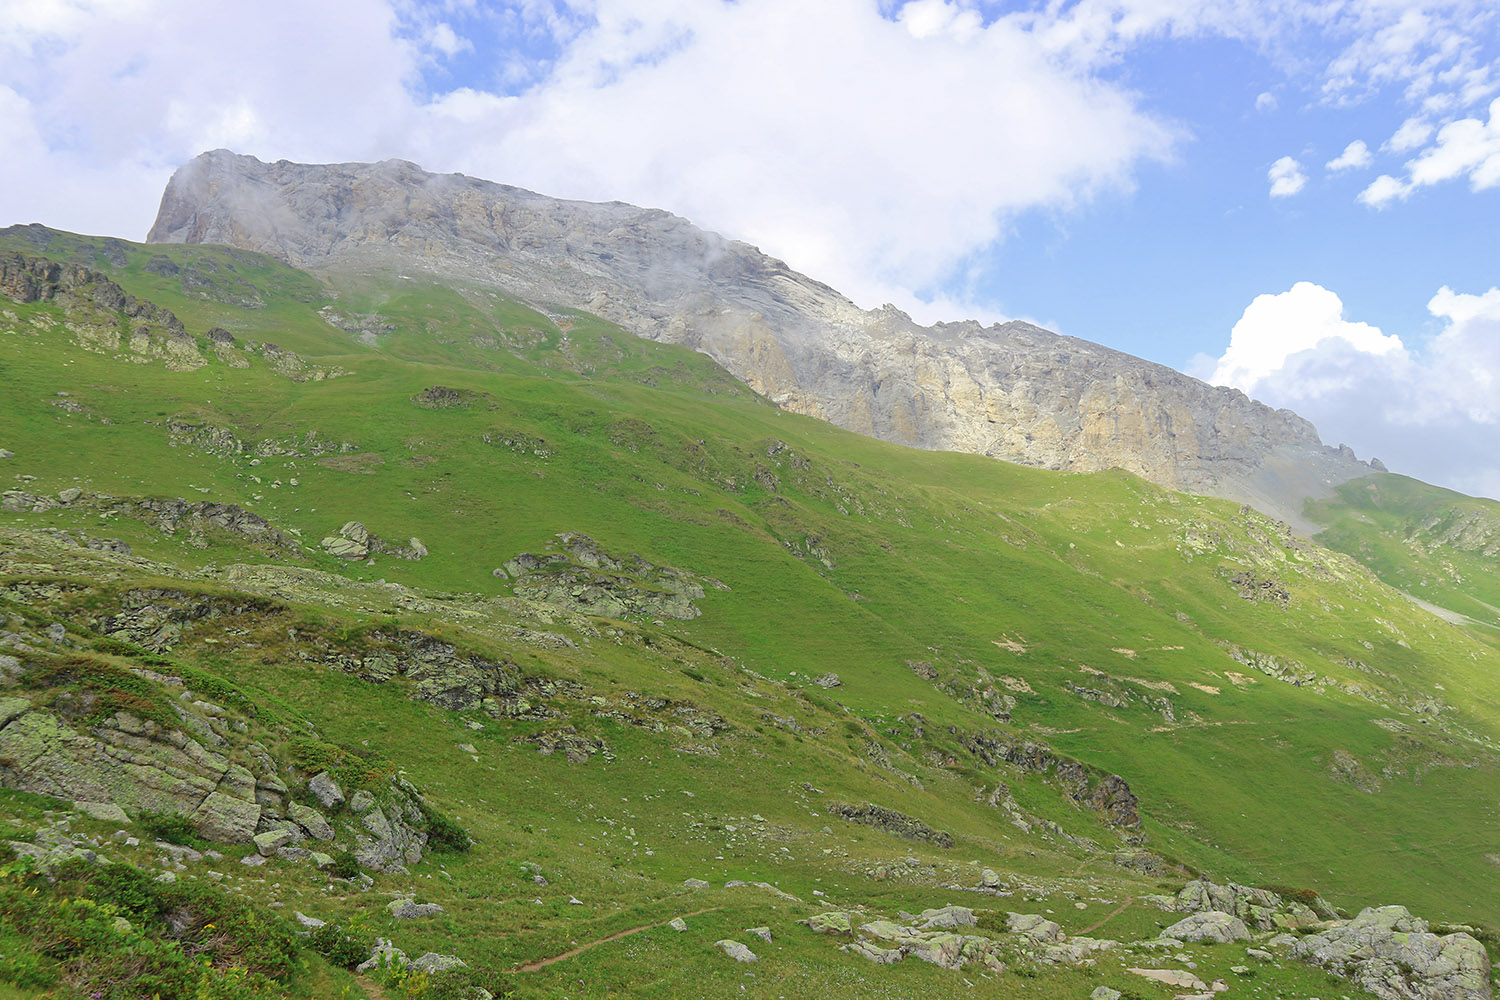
(407, 908)
(735, 950)
(310, 820)
(1393, 955)
(1211, 926)
(830, 922)
(326, 790)
(1033, 925)
(266, 843)
(433, 962)
(947, 917)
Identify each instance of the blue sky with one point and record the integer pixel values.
(1153, 175)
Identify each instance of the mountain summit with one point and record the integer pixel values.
(1011, 391)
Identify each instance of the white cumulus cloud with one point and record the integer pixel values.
(1286, 177)
(1411, 135)
(1382, 191)
(1428, 409)
(1355, 156)
(1273, 328)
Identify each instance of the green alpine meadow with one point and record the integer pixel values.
(371, 631)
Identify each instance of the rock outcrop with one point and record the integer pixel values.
(585, 578)
(1395, 956)
(1012, 390)
(100, 315)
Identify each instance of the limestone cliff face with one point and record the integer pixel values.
(1011, 391)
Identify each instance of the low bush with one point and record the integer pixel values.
(174, 828)
(345, 865)
(111, 931)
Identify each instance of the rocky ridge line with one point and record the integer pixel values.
(1010, 391)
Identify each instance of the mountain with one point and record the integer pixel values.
(1011, 391)
(499, 636)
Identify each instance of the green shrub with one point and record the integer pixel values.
(443, 833)
(110, 930)
(91, 690)
(335, 942)
(174, 828)
(345, 865)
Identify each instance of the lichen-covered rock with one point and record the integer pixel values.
(735, 950)
(266, 843)
(310, 820)
(407, 908)
(1261, 909)
(946, 917)
(326, 790)
(433, 962)
(830, 922)
(1208, 925)
(1394, 955)
(1033, 925)
(222, 817)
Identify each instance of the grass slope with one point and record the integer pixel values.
(1284, 716)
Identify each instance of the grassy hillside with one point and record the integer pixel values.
(1283, 716)
(1435, 544)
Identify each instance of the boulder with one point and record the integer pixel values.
(830, 922)
(1105, 993)
(1211, 926)
(383, 955)
(326, 790)
(875, 953)
(990, 879)
(677, 924)
(1033, 925)
(1393, 955)
(310, 820)
(433, 962)
(223, 817)
(1175, 978)
(267, 843)
(735, 950)
(946, 917)
(764, 933)
(695, 883)
(407, 908)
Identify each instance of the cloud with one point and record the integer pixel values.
(1467, 148)
(828, 134)
(1265, 102)
(1464, 148)
(1274, 328)
(1286, 177)
(1430, 411)
(1411, 135)
(1355, 156)
(1382, 191)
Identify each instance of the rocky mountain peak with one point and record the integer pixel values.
(1011, 391)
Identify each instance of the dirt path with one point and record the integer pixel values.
(542, 963)
(1107, 917)
(371, 987)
